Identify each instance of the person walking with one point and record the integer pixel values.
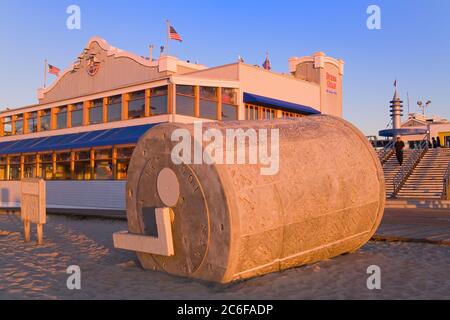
(399, 146)
(434, 142)
(438, 142)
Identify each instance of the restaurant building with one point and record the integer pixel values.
(80, 135)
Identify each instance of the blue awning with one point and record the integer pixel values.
(278, 104)
(402, 132)
(99, 138)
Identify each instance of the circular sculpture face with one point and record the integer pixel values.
(230, 222)
(168, 187)
(190, 226)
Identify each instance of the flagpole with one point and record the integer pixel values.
(45, 73)
(167, 37)
(407, 95)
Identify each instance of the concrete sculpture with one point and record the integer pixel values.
(229, 222)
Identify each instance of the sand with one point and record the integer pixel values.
(28, 271)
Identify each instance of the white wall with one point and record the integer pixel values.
(72, 194)
(286, 88)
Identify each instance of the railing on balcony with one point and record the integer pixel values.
(407, 168)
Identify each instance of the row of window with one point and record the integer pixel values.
(88, 164)
(192, 101)
(254, 112)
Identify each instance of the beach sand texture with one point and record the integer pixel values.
(28, 271)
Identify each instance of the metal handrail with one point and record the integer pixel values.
(386, 152)
(446, 192)
(408, 167)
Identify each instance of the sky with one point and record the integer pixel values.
(412, 46)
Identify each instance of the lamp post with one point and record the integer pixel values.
(422, 106)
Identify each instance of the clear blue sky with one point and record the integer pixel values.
(412, 46)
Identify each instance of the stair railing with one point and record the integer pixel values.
(446, 193)
(407, 168)
(386, 152)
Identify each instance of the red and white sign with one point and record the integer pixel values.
(331, 84)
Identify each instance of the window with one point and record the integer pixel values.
(103, 169)
(29, 166)
(158, 101)
(266, 113)
(185, 100)
(208, 103)
(3, 166)
(286, 114)
(32, 122)
(96, 112)
(14, 168)
(82, 166)
(46, 120)
(229, 104)
(76, 115)
(114, 106)
(63, 171)
(18, 124)
(123, 160)
(46, 166)
(61, 118)
(136, 105)
(253, 112)
(7, 126)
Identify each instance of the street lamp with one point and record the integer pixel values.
(422, 106)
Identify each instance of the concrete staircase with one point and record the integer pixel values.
(391, 168)
(426, 180)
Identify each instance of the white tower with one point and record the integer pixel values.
(396, 113)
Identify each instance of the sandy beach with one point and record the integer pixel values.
(28, 271)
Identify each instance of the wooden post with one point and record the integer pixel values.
(197, 101)
(38, 120)
(147, 102)
(105, 110)
(125, 101)
(69, 115)
(38, 166)
(40, 233)
(54, 164)
(26, 230)
(72, 165)
(114, 162)
(86, 106)
(8, 166)
(22, 166)
(92, 163)
(13, 125)
(26, 115)
(219, 103)
(171, 97)
(53, 118)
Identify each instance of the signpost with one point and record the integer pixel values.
(33, 207)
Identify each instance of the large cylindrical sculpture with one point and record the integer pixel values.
(230, 222)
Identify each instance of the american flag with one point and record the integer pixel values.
(174, 35)
(53, 70)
